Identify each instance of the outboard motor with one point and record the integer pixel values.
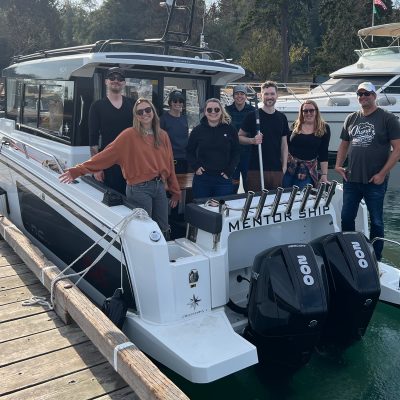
(287, 305)
(354, 287)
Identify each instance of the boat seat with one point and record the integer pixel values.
(386, 101)
(203, 219)
(338, 101)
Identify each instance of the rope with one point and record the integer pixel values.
(138, 213)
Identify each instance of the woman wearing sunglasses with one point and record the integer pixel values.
(308, 144)
(144, 154)
(176, 125)
(213, 152)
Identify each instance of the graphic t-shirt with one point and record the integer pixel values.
(369, 138)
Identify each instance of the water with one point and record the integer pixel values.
(369, 370)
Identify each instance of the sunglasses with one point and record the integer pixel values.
(215, 109)
(309, 111)
(366, 94)
(178, 101)
(118, 78)
(146, 110)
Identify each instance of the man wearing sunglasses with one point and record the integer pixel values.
(238, 111)
(108, 117)
(371, 143)
(176, 125)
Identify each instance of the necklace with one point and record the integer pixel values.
(148, 131)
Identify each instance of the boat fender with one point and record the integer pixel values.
(115, 308)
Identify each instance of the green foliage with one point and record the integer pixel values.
(263, 56)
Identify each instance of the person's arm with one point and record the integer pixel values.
(172, 180)
(284, 153)
(234, 153)
(191, 153)
(390, 163)
(323, 153)
(341, 157)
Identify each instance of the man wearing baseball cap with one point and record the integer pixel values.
(371, 143)
(108, 117)
(238, 111)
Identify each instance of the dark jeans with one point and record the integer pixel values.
(114, 179)
(241, 169)
(373, 196)
(211, 186)
(291, 180)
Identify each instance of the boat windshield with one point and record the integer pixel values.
(350, 84)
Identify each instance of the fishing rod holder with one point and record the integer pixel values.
(290, 202)
(247, 205)
(277, 199)
(306, 195)
(261, 202)
(331, 192)
(318, 197)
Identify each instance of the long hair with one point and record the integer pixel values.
(155, 123)
(225, 117)
(319, 123)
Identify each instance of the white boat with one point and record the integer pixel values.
(336, 97)
(255, 277)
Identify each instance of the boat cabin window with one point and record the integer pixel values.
(44, 105)
(194, 92)
(350, 84)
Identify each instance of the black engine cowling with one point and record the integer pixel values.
(354, 287)
(287, 304)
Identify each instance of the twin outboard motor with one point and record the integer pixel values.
(354, 288)
(287, 304)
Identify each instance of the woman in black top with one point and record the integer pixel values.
(213, 152)
(308, 144)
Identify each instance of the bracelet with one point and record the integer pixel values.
(324, 174)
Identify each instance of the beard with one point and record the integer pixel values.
(115, 89)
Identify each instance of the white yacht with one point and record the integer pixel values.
(336, 97)
(256, 277)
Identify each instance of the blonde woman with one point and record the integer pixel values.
(213, 152)
(144, 154)
(308, 144)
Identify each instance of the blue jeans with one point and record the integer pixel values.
(291, 180)
(373, 196)
(211, 186)
(151, 196)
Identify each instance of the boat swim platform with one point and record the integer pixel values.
(68, 353)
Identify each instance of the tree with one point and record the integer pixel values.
(24, 27)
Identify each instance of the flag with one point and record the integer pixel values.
(380, 3)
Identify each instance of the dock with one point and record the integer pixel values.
(67, 356)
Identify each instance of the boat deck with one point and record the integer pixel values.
(41, 356)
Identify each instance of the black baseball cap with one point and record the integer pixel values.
(115, 70)
(175, 95)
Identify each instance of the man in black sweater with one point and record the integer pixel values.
(108, 117)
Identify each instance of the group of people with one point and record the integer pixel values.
(141, 158)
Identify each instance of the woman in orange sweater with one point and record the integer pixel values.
(144, 154)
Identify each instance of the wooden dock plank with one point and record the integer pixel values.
(11, 282)
(23, 293)
(10, 260)
(41, 343)
(86, 384)
(14, 311)
(122, 394)
(21, 375)
(28, 326)
(12, 270)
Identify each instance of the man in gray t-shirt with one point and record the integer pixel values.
(371, 141)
